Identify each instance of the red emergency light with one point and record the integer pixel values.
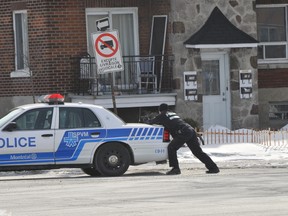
(52, 99)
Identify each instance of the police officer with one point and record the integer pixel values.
(181, 133)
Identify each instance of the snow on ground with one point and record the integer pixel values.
(235, 152)
(243, 154)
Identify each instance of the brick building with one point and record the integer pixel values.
(41, 42)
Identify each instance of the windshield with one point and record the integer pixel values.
(9, 116)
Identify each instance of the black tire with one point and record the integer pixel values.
(91, 171)
(112, 159)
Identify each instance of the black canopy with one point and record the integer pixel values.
(218, 31)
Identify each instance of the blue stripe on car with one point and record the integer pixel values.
(71, 146)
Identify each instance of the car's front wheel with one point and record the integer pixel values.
(112, 159)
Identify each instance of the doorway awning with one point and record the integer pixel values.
(219, 32)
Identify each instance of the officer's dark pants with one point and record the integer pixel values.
(194, 146)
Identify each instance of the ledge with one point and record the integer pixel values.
(127, 101)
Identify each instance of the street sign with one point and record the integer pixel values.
(107, 52)
(103, 24)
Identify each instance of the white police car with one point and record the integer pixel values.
(62, 135)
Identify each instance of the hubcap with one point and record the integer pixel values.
(113, 160)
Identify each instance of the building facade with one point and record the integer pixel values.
(254, 93)
(228, 62)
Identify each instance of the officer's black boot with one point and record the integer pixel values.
(174, 171)
(213, 171)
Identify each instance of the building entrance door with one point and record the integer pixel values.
(216, 90)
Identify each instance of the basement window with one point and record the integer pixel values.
(278, 110)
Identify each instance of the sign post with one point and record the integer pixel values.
(108, 55)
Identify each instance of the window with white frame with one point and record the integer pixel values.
(125, 21)
(272, 32)
(21, 40)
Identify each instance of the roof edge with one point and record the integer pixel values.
(206, 46)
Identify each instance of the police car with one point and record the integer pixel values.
(76, 135)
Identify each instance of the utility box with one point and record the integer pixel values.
(190, 85)
(245, 84)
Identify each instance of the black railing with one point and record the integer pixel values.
(141, 75)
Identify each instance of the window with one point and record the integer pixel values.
(278, 111)
(211, 77)
(21, 40)
(125, 21)
(36, 119)
(272, 33)
(122, 19)
(70, 117)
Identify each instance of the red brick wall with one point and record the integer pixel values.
(56, 31)
(6, 48)
(57, 34)
(275, 78)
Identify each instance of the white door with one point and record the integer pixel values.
(216, 90)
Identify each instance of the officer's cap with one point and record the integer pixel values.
(163, 107)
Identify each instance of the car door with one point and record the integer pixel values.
(32, 141)
(79, 132)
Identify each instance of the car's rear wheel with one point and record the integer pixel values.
(112, 159)
(91, 171)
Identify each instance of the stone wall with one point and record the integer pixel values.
(244, 111)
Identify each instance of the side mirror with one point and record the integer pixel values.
(10, 127)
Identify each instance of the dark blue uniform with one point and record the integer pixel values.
(182, 133)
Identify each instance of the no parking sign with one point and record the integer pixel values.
(107, 51)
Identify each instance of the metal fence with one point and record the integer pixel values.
(129, 81)
(267, 138)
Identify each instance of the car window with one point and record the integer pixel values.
(36, 119)
(72, 117)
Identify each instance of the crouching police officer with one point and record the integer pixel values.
(181, 133)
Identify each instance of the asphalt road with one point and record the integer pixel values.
(146, 190)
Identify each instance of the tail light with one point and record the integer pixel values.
(166, 136)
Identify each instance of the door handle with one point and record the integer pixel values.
(47, 135)
(95, 134)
